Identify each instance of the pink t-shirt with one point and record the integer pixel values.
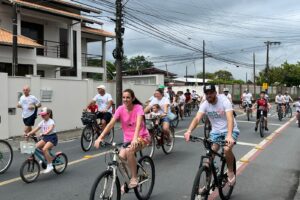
(128, 121)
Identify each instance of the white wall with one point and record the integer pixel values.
(142, 92)
(6, 17)
(25, 55)
(198, 89)
(154, 79)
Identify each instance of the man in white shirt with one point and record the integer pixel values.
(297, 105)
(181, 103)
(224, 127)
(287, 98)
(104, 102)
(229, 97)
(279, 100)
(247, 98)
(29, 105)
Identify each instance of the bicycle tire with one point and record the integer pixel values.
(152, 148)
(109, 174)
(261, 126)
(9, 152)
(141, 176)
(207, 129)
(167, 148)
(30, 164)
(87, 135)
(223, 178)
(290, 112)
(57, 160)
(280, 115)
(197, 181)
(248, 114)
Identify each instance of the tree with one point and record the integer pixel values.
(111, 69)
(223, 75)
(208, 75)
(136, 63)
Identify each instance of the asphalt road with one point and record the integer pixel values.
(270, 168)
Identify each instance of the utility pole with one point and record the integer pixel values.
(254, 81)
(203, 63)
(118, 53)
(268, 43)
(15, 41)
(186, 75)
(167, 72)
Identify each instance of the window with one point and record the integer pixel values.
(21, 70)
(35, 32)
(41, 73)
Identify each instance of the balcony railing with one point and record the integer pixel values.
(54, 49)
(91, 60)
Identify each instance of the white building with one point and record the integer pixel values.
(53, 39)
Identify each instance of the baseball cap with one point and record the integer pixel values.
(101, 87)
(45, 111)
(161, 87)
(225, 90)
(209, 87)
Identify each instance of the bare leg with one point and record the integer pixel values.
(166, 129)
(46, 148)
(27, 129)
(230, 160)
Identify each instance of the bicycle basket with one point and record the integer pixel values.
(88, 118)
(27, 147)
(149, 124)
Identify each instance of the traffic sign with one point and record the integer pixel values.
(265, 86)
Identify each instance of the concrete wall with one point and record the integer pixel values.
(142, 92)
(25, 55)
(154, 79)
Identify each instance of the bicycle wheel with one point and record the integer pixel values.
(290, 112)
(60, 163)
(109, 138)
(6, 156)
(248, 114)
(280, 114)
(86, 139)
(262, 126)
(105, 187)
(207, 129)
(30, 171)
(149, 149)
(225, 189)
(168, 143)
(201, 186)
(146, 178)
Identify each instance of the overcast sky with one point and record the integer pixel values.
(233, 29)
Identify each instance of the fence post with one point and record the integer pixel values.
(4, 131)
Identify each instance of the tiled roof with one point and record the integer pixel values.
(55, 11)
(78, 6)
(6, 38)
(95, 31)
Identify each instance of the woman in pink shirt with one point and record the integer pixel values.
(131, 116)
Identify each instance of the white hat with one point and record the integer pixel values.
(101, 87)
(45, 111)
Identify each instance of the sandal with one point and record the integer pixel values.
(232, 181)
(133, 183)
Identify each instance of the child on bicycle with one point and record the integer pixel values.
(93, 107)
(48, 135)
(156, 112)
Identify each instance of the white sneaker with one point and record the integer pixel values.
(49, 169)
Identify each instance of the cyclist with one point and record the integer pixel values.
(164, 104)
(228, 95)
(29, 105)
(181, 103)
(104, 102)
(188, 96)
(49, 137)
(279, 100)
(262, 104)
(224, 127)
(131, 116)
(297, 105)
(171, 94)
(287, 99)
(247, 98)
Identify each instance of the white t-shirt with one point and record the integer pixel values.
(287, 98)
(182, 99)
(279, 99)
(161, 103)
(167, 95)
(297, 105)
(228, 96)
(247, 97)
(25, 102)
(45, 125)
(194, 95)
(217, 114)
(102, 101)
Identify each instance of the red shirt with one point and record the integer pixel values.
(262, 104)
(187, 97)
(93, 108)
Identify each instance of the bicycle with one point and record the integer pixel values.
(187, 110)
(280, 113)
(213, 178)
(288, 111)
(207, 126)
(158, 138)
(261, 123)
(195, 104)
(31, 168)
(92, 130)
(110, 189)
(6, 156)
(175, 110)
(248, 110)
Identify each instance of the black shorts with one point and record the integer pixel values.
(29, 121)
(105, 116)
(245, 105)
(265, 114)
(50, 138)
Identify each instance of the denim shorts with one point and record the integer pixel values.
(51, 138)
(217, 137)
(165, 119)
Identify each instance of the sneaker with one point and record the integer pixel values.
(49, 169)
(255, 129)
(266, 129)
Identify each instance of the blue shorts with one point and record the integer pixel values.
(217, 137)
(165, 119)
(50, 138)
